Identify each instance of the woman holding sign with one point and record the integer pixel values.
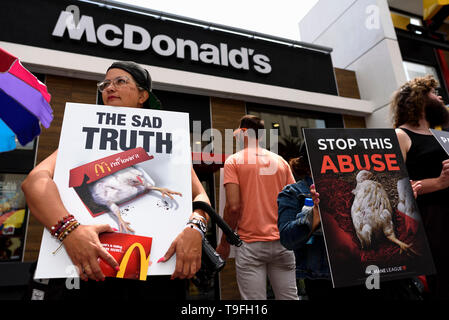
(126, 84)
(416, 108)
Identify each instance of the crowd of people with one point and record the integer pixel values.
(281, 241)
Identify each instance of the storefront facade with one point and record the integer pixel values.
(214, 74)
(422, 35)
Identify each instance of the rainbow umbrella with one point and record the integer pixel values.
(24, 101)
(7, 138)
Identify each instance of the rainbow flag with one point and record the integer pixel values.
(24, 101)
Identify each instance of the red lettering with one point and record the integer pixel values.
(328, 165)
(349, 163)
(375, 159)
(367, 162)
(390, 160)
(345, 163)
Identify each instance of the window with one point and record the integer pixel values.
(13, 217)
(294, 131)
(413, 70)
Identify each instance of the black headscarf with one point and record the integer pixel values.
(142, 78)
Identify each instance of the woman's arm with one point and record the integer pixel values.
(316, 221)
(199, 194)
(436, 184)
(188, 244)
(82, 244)
(231, 215)
(39, 185)
(427, 185)
(404, 142)
(293, 229)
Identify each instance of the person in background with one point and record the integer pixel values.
(126, 84)
(416, 107)
(253, 177)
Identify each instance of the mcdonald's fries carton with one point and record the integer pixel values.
(126, 167)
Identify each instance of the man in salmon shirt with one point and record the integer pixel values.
(253, 178)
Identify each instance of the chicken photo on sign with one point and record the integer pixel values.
(368, 212)
(372, 213)
(113, 181)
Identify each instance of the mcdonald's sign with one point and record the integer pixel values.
(144, 261)
(100, 166)
(130, 251)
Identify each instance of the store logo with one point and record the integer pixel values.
(136, 38)
(144, 261)
(100, 166)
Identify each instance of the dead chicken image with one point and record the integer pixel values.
(371, 213)
(123, 186)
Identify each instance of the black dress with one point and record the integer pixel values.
(424, 161)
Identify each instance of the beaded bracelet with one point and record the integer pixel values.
(70, 227)
(64, 227)
(64, 231)
(58, 231)
(54, 230)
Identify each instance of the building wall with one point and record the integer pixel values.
(363, 39)
(348, 87)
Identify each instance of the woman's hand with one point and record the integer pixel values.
(316, 213)
(224, 249)
(443, 179)
(187, 246)
(84, 248)
(416, 187)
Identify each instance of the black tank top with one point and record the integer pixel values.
(424, 160)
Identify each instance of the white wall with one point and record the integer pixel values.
(320, 17)
(363, 39)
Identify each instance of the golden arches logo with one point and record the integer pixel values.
(100, 166)
(144, 261)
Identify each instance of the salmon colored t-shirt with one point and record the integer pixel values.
(261, 175)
